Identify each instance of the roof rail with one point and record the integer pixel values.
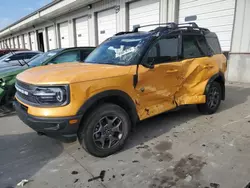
(123, 33)
(165, 26)
(169, 25)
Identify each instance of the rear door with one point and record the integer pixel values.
(198, 67)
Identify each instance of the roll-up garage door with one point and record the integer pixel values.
(11, 43)
(26, 41)
(32, 40)
(64, 35)
(20, 40)
(216, 15)
(82, 31)
(16, 42)
(143, 13)
(106, 21)
(51, 37)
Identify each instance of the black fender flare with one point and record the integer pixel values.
(219, 77)
(114, 95)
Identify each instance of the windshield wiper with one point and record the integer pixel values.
(12, 52)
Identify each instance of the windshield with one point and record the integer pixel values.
(118, 51)
(40, 58)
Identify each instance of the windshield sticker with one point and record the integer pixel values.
(120, 53)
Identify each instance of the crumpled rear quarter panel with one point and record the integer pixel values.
(196, 74)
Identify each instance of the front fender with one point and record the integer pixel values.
(115, 96)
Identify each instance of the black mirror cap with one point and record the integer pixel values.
(148, 65)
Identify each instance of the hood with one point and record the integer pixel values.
(11, 70)
(67, 73)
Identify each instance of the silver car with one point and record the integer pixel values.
(17, 58)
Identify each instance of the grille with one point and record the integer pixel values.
(24, 85)
(26, 98)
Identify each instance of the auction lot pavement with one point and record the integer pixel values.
(175, 149)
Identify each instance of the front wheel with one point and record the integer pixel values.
(213, 99)
(105, 130)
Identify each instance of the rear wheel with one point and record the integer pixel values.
(105, 130)
(213, 99)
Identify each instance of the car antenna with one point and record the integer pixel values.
(12, 52)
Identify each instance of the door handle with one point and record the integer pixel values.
(208, 66)
(172, 71)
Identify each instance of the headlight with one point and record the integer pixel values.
(56, 96)
(2, 82)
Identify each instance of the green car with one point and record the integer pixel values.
(8, 74)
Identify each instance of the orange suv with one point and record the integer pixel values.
(128, 78)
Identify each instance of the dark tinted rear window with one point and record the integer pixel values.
(213, 42)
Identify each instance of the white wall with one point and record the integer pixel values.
(239, 58)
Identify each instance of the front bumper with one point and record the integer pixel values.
(58, 128)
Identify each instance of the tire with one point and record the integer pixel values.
(104, 121)
(214, 94)
(9, 98)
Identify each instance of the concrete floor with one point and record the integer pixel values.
(179, 149)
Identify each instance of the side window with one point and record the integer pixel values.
(30, 55)
(17, 57)
(67, 57)
(203, 45)
(214, 44)
(85, 53)
(165, 50)
(190, 47)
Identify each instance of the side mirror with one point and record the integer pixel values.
(7, 60)
(149, 63)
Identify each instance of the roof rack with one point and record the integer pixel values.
(172, 25)
(165, 26)
(168, 25)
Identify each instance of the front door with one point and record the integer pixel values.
(157, 86)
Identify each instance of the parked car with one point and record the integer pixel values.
(17, 58)
(8, 74)
(6, 51)
(128, 78)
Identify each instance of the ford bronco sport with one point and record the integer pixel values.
(128, 78)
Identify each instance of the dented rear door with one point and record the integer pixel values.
(199, 65)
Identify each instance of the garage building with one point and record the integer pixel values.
(69, 23)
